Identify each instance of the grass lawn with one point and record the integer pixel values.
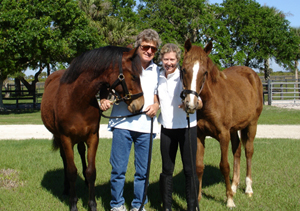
(31, 178)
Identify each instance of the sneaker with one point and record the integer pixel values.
(121, 208)
(136, 209)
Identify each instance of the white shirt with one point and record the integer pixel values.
(169, 89)
(140, 123)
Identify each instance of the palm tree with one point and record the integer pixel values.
(114, 30)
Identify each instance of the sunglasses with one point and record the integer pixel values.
(146, 48)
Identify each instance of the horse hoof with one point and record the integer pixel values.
(230, 203)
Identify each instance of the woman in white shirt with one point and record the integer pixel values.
(174, 130)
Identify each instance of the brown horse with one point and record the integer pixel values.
(70, 110)
(232, 102)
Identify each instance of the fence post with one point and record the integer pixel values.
(269, 92)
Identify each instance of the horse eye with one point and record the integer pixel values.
(184, 71)
(134, 77)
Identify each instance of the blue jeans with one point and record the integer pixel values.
(120, 150)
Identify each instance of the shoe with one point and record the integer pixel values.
(121, 208)
(136, 209)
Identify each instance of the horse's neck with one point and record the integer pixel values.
(214, 77)
(86, 88)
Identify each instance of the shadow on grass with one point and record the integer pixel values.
(53, 182)
(211, 176)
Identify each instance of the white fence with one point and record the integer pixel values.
(282, 92)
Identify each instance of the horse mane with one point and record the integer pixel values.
(214, 71)
(95, 61)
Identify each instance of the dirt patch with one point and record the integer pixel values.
(9, 179)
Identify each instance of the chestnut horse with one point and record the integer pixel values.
(232, 102)
(70, 110)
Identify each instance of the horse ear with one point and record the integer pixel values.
(208, 47)
(130, 54)
(187, 45)
(130, 45)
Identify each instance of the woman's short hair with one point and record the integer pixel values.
(148, 35)
(170, 47)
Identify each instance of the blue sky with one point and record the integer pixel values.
(288, 7)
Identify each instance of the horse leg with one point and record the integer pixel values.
(248, 135)
(90, 172)
(71, 170)
(224, 166)
(81, 150)
(200, 162)
(236, 151)
(66, 181)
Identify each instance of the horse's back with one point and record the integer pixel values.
(245, 76)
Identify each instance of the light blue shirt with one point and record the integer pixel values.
(140, 123)
(169, 89)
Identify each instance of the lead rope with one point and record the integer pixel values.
(192, 160)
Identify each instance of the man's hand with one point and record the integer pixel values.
(105, 104)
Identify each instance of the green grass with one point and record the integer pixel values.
(37, 175)
(270, 115)
(281, 116)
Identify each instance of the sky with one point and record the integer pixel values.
(288, 7)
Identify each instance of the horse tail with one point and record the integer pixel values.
(55, 143)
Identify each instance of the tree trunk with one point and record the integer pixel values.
(48, 69)
(31, 87)
(267, 68)
(6, 88)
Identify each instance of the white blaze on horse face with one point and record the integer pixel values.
(194, 84)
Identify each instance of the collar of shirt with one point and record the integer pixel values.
(175, 75)
(150, 66)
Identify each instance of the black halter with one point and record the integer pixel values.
(121, 80)
(185, 92)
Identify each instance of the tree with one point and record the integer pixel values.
(250, 34)
(174, 20)
(296, 31)
(114, 20)
(38, 33)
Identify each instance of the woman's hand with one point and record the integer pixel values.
(152, 109)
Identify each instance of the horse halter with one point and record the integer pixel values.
(185, 92)
(121, 80)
